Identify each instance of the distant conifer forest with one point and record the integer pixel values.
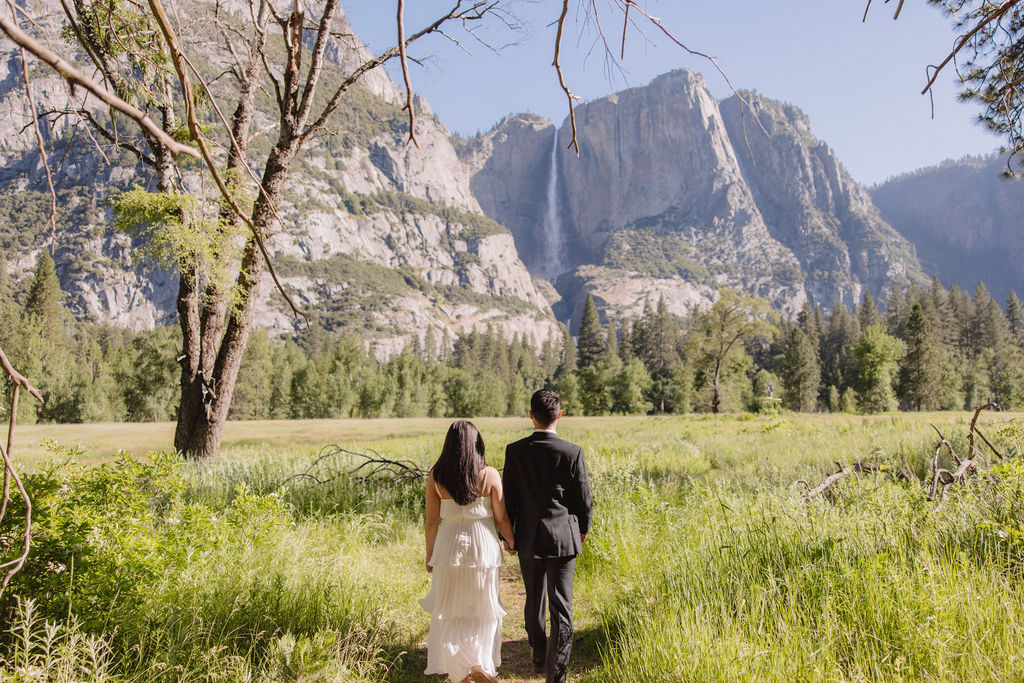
(928, 349)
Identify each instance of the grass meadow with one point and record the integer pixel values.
(703, 563)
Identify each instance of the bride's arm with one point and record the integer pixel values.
(497, 493)
(433, 518)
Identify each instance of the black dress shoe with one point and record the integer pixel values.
(538, 667)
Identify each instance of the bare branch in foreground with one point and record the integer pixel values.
(19, 382)
(404, 60)
(77, 78)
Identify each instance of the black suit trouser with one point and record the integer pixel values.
(549, 579)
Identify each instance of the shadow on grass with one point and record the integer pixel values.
(516, 659)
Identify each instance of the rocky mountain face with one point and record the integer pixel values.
(378, 237)
(679, 194)
(674, 194)
(965, 218)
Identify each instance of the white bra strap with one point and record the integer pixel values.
(438, 489)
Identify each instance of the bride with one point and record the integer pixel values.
(464, 558)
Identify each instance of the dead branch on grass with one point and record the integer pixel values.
(940, 480)
(373, 467)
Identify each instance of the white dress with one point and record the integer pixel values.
(465, 623)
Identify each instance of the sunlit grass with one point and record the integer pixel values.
(703, 562)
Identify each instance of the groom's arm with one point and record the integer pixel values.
(510, 483)
(582, 500)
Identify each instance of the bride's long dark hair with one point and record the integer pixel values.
(461, 461)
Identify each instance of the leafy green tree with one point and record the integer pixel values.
(878, 356)
(680, 394)
(598, 383)
(630, 389)
(568, 388)
(717, 337)
(150, 386)
(408, 378)
(590, 347)
(255, 387)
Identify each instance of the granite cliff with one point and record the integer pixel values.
(378, 237)
(674, 193)
(679, 194)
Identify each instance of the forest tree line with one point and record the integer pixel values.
(930, 349)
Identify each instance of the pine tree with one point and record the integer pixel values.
(641, 337)
(839, 367)
(590, 347)
(43, 305)
(664, 338)
(801, 373)
(961, 311)
(920, 371)
(987, 328)
(568, 363)
(1015, 318)
(867, 314)
(898, 310)
(611, 344)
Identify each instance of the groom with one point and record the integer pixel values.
(547, 494)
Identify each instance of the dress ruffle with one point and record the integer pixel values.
(466, 615)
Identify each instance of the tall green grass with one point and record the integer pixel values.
(703, 562)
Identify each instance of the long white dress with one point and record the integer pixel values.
(465, 623)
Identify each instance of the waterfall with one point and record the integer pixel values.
(554, 241)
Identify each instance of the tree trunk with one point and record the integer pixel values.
(208, 369)
(716, 396)
(206, 399)
(192, 405)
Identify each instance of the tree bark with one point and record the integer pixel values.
(207, 398)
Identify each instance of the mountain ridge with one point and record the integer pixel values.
(676, 193)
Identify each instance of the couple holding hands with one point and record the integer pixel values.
(542, 507)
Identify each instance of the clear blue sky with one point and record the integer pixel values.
(858, 82)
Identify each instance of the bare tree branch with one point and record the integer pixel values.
(178, 58)
(19, 381)
(574, 142)
(963, 40)
(76, 77)
(403, 59)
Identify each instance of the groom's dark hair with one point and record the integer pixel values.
(545, 405)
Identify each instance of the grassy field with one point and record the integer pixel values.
(703, 562)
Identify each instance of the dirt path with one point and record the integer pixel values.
(516, 660)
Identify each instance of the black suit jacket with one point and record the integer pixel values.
(547, 495)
